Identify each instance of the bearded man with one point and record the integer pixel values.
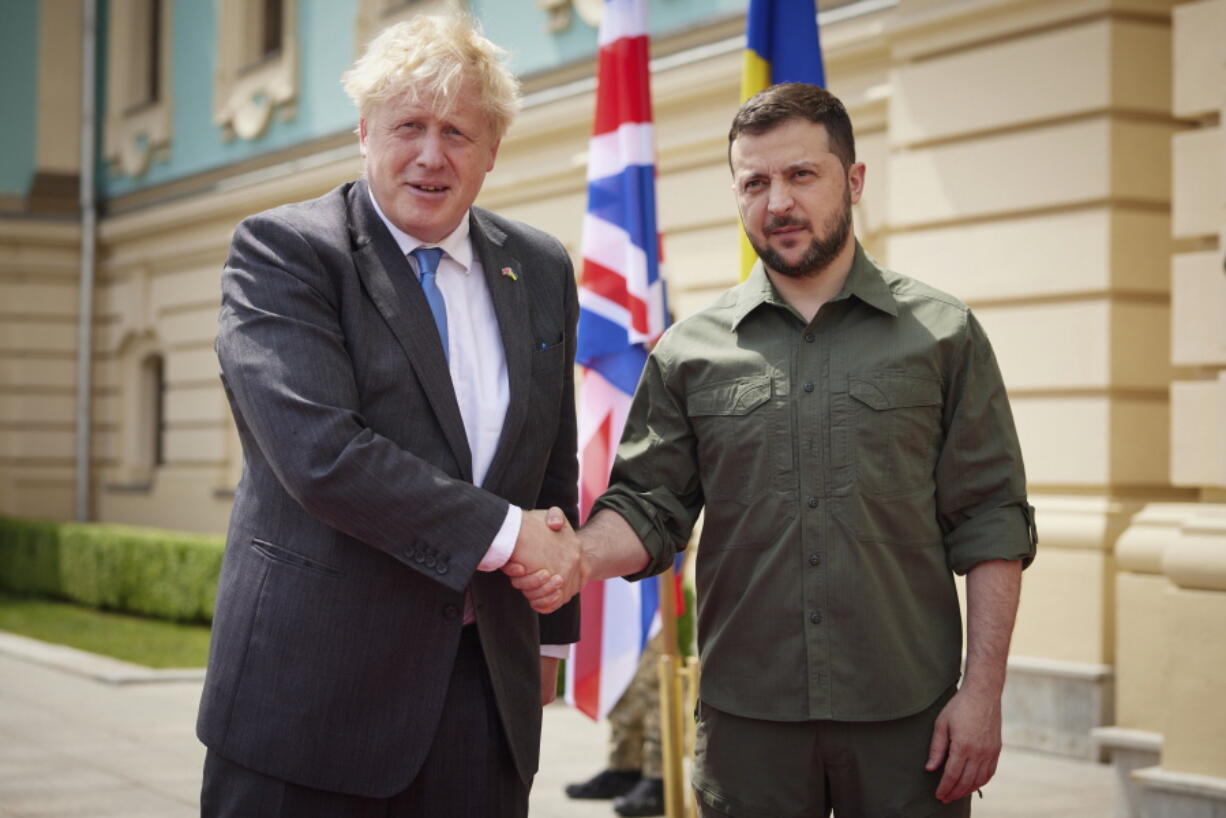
(848, 433)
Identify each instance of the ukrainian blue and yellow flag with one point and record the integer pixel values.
(781, 45)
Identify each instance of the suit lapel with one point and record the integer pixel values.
(396, 294)
(510, 298)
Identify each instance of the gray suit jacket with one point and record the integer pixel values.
(356, 527)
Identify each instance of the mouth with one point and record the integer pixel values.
(785, 229)
(426, 188)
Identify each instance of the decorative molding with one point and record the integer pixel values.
(558, 13)
(137, 129)
(375, 15)
(1140, 548)
(1123, 738)
(1197, 559)
(248, 87)
(1176, 794)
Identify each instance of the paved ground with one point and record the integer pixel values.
(75, 747)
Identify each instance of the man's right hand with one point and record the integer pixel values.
(545, 564)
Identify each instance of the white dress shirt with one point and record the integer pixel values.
(476, 359)
(478, 366)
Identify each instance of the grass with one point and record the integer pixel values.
(150, 642)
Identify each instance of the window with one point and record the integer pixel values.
(257, 65)
(153, 396)
(138, 87)
(142, 418)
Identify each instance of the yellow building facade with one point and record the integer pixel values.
(1058, 164)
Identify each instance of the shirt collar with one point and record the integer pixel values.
(863, 281)
(455, 244)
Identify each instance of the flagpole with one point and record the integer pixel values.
(668, 613)
(672, 725)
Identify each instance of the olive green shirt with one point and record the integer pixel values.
(848, 468)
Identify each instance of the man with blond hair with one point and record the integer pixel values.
(399, 365)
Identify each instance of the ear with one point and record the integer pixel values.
(855, 181)
(362, 134)
(493, 155)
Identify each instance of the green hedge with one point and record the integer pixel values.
(164, 574)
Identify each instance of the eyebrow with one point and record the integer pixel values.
(804, 164)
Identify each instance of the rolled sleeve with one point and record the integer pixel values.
(655, 485)
(1002, 533)
(981, 482)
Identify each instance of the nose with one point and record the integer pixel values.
(430, 153)
(779, 200)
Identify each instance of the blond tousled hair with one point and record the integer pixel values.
(435, 58)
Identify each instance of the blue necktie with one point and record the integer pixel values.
(427, 263)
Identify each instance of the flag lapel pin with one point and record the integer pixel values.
(507, 272)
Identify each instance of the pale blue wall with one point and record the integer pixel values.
(18, 94)
(325, 31)
(519, 27)
(326, 49)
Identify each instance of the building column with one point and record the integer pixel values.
(1030, 176)
(1179, 606)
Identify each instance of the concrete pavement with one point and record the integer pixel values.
(72, 746)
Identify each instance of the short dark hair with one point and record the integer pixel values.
(773, 106)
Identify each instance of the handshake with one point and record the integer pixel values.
(548, 565)
(551, 562)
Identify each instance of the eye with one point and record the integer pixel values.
(752, 185)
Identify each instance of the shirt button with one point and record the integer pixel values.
(812, 502)
(808, 337)
(451, 611)
(808, 387)
(815, 618)
(815, 560)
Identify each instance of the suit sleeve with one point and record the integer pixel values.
(561, 485)
(289, 376)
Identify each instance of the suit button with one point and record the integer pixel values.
(441, 568)
(812, 502)
(815, 560)
(431, 561)
(451, 611)
(808, 387)
(816, 618)
(419, 557)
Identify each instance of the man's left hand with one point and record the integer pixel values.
(967, 739)
(549, 679)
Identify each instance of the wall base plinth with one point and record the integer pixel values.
(1053, 706)
(1128, 750)
(1170, 794)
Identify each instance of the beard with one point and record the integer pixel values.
(823, 249)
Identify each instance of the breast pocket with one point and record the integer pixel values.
(897, 421)
(732, 422)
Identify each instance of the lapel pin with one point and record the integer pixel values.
(509, 273)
